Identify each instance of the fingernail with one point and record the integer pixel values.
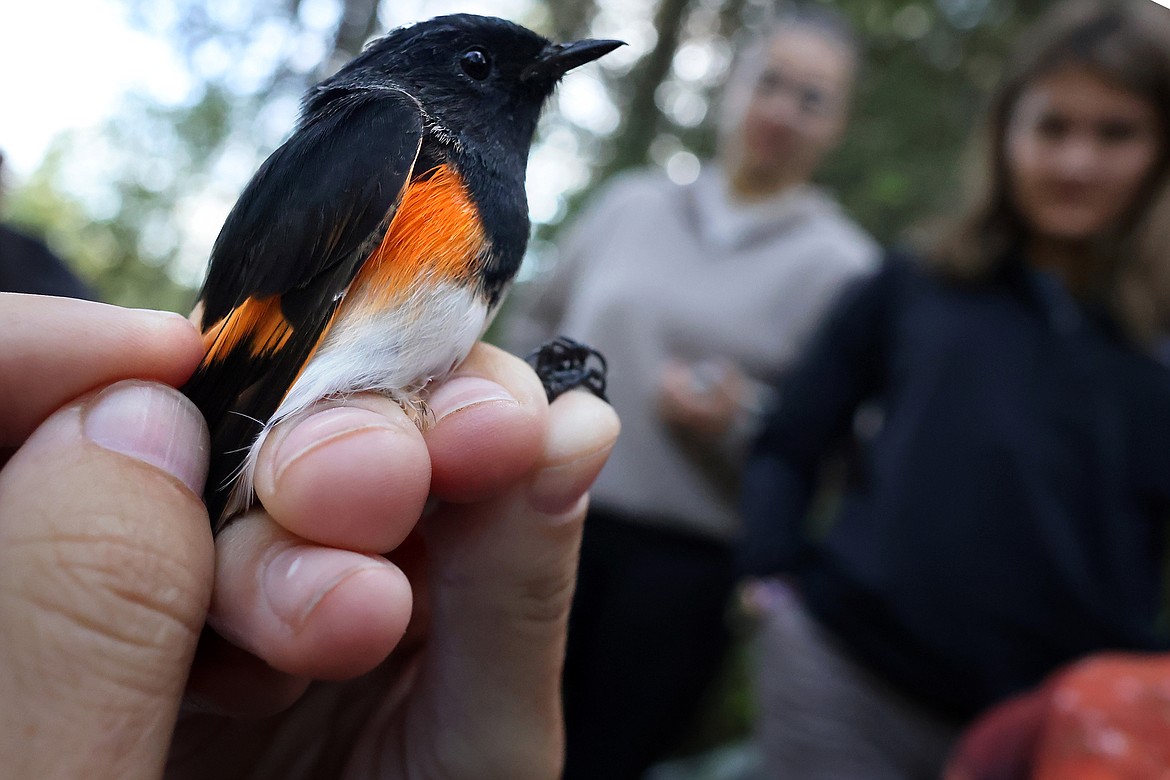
(154, 424)
(460, 392)
(582, 433)
(162, 316)
(298, 579)
(323, 427)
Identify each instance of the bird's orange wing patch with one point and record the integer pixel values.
(257, 323)
(436, 232)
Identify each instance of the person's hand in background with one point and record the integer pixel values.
(704, 400)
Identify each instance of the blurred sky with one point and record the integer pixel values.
(66, 64)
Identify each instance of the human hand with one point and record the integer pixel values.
(96, 636)
(105, 555)
(703, 400)
(757, 597)
(472, 689)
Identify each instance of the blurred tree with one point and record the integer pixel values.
(569, 21)
(928, 72)
(157, 180)
(641, 117)
(105, 250)
(929, 65)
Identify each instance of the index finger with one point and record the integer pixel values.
(53, 350)
(357, 475)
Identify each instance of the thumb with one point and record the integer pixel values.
(105, 575)
(501, 583)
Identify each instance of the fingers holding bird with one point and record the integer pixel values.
(364, 465)
(352, 474)
(301, 583)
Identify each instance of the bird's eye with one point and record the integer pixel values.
(476, 64)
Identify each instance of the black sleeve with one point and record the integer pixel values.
(28, 266)
(841, 368)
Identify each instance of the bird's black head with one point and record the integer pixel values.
(481, 81)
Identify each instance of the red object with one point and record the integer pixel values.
(1105, 718)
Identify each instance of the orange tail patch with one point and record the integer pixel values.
(257, 323)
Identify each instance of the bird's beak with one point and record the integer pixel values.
(557, 59)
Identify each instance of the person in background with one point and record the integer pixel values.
(28, 266)
(694, 294)
(1105, 715)
(1006, 510)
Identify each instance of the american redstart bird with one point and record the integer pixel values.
(370, 251)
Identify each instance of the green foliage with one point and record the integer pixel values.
(103, 251)
(917, 109)
(127, 232)
(729, 711)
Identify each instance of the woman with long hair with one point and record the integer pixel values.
(1010, 431)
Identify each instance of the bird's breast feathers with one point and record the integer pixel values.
(414, 310)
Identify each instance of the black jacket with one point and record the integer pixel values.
(27, 266)
(1012, 476)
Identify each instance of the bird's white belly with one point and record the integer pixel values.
(394, 350)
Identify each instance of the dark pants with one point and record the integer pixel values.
(646, 638)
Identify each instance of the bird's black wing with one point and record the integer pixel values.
(315, 201)
(294, 241)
